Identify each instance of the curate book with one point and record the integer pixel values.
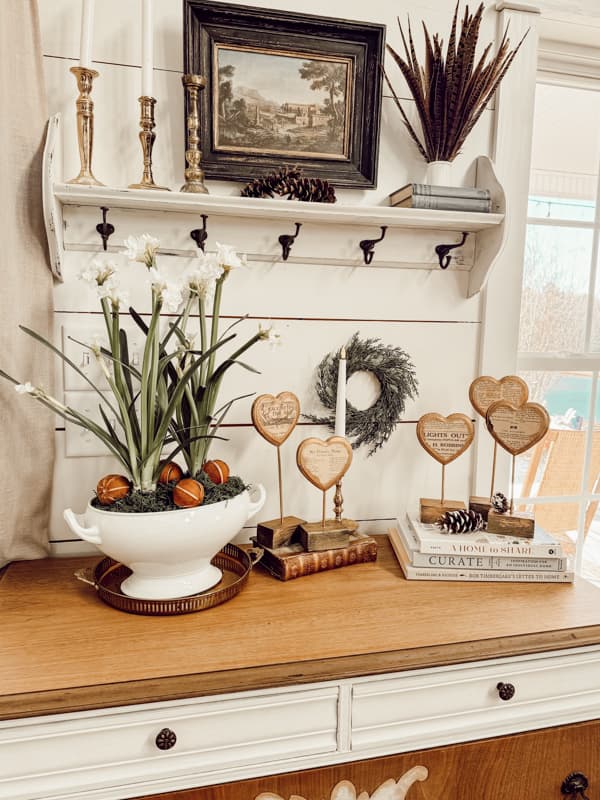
(426, 190)
(475, 561)
(432, 540)
(412, 573)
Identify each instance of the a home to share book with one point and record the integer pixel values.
(427, 553)
(441, 198)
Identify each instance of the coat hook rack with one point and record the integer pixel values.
(368, 245)
(104, 228)
(443, 250)
(200, 235)
(286, 241)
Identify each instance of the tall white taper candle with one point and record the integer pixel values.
(340, 405)
(87, 32)
(147, 48)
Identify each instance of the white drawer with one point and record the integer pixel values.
(52, 756)
(432, 707)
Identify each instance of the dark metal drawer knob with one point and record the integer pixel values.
(166, 739)
(506, 691)
(575, 785)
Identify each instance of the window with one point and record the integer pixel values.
(559, 334)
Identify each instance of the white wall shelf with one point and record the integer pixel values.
(331, 234)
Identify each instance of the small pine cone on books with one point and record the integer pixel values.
(461, 522)
(500, 503)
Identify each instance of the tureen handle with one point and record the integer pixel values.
(77, 524)
(256, 506)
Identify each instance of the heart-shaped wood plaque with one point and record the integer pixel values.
(275, 417)
(517, 429)
(486, 390)
(445, 438)
(324, 462)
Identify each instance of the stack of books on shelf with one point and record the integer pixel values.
(441, 198)
(293, 561)
(427, 554)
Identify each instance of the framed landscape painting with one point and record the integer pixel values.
(285, 88)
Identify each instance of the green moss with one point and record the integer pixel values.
(162, 498)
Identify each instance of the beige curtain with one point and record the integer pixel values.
(26, 428)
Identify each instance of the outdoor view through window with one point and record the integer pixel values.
(559, 336)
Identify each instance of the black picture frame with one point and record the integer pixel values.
(210, 28)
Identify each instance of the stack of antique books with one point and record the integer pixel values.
(441, 198)
(426, 553)
(292, 561)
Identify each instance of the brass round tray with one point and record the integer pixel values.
(107, 576)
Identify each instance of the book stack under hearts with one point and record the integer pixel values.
(441, 198)
(293, 561)
(425, 553)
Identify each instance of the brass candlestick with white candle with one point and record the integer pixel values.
(445, 439)
(147, 101)
(484, 391)
(85, 75)
(275, 418)
(324, 462)
(340, 426)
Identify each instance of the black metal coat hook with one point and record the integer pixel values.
(104, 228)
(286, 240)
(368, 245)
(443, 250)
(200, 235)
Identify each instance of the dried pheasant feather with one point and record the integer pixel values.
(450, 92)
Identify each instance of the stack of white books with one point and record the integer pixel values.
(427, 554)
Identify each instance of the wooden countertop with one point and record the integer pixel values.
(62, 649)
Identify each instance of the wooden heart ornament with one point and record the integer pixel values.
(486, 390)
(275, 417)
(445, 438)
(324, 462)
(517, 429)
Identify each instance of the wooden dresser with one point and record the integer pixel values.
(350, 678)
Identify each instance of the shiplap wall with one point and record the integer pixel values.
(316, 308)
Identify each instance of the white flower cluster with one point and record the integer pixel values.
(142, 248)
(101, 274)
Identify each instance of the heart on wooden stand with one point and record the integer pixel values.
(445, 439)
(275, 417)
(324, 462)
(484, 391)
(516, 429)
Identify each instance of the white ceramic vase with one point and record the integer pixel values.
(439, 173)
(168, 552)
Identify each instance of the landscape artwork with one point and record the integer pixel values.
(283, 103)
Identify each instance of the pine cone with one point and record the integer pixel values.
(461, 522)
(289, 182)
(500, 503)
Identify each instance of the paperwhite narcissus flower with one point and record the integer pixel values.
(169, 293)
(228, 258)
(25, 388)
(99, 272)
(142, 248)
(270, 335)
(202, 278)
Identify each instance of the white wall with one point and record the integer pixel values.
(316, 307)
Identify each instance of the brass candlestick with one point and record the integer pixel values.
(194, 175)
(147, 137)
(85, 125)
(338, 502)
